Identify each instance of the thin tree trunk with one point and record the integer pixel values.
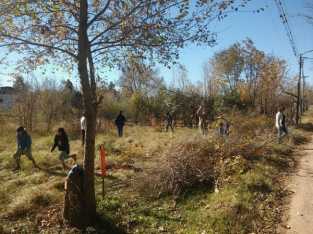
(89, 98)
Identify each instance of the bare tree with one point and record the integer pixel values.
(49, 102)
(25, 101)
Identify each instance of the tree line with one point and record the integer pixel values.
(240, 77)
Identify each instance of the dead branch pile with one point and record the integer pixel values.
(182, 166)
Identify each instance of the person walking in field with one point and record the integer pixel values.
(201, 113)
(61, 141)
(120, 122)
(83, 127)
(280, 124)
(169, 122)
(24, 143)
(223, 128)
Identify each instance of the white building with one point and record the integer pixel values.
(7, 97)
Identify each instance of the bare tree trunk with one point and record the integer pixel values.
(89, 97)
(89, 102)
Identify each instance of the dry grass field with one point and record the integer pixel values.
(158, 182)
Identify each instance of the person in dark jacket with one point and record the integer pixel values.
(120, 122)
(24, 143)
(61, 141)
(169, 122)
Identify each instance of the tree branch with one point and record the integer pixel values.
(115, 24)
(25, 41)
(99, 14)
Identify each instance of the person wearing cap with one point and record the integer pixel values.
(24, 143)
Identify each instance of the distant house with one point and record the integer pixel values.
(7, 97)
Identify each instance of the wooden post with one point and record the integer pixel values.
(298, 92)
(102, 155)
(102, 187)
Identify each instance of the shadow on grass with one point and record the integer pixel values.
(104, 225)
(260, 186)
(279, 162)
(196, 190)
(300, 139)
(306, 127)
(53, 171)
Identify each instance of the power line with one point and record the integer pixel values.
(286, 24)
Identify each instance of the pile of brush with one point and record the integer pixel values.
(182, 166)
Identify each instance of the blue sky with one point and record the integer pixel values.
(265, 29)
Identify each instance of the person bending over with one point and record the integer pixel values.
(24, 144)
(61, 141)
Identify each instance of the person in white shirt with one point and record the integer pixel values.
(202, 124)
(83, 127)
(280, 124)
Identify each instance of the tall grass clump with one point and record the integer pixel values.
(29, 202)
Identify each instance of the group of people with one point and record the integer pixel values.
(224, 125)
(24, 147)
(119, 123)
(61, 141)
(223, 128)
(24, 140)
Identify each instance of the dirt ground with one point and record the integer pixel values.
(300, 211)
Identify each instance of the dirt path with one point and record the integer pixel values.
(300, 213)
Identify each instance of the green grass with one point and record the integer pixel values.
(245, 202)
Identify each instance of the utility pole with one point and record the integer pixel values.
(301, 109)
(299, 91)
(303, 92)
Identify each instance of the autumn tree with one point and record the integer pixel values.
(180, 79)
(210, 81)
(71, 101)
(271, 79)
(228, 66)
(26, 100)
(138, 77)
(49, 102)
(91, 34)
(253, 65)
(247, 77)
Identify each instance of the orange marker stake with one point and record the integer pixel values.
(102, 161)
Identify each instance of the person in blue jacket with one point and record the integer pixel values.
(24, 143)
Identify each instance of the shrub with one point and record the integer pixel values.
(184, 165)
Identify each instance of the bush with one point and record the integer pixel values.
(182, 166)
(233, 99)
